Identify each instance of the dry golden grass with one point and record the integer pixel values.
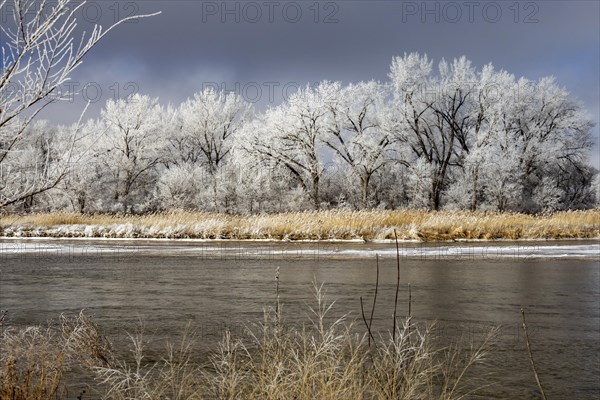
(323, 225)
(325, 360)
(33, 360)
(31, 366)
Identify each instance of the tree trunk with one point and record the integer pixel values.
(474, 189)
(432, 195)
(315, 191)
(364, 183)
(81, 202)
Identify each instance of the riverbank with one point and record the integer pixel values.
(323, 225)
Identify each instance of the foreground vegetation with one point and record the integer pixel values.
(324, 225)
(324, 359)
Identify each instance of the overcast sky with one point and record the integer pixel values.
(265, 49)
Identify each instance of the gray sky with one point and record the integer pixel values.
(265, 49)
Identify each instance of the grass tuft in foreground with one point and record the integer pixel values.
(323, 225)
(325, 358)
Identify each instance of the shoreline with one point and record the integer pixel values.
(272, 250)
(307, 241)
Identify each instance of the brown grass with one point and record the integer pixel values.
(31, 365)
(34, 360)
(323, 225)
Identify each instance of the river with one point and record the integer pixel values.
(465, 287)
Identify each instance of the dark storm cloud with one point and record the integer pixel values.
(266, 45)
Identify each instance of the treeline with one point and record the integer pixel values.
(451, 138)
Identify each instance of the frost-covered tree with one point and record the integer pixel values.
(290, 135)
(85, 188)
(488, 102)
(466, 123)
(179, 187)
(459, 138)
(203, 138)
(575, 181)
(358, 131)
(547, 195)
(420, 178)
(436, 113)
(35, 161)
(208, 123)
(554, 130)
(261, 184)
(40, 48)
(540, 133)
(131, 139)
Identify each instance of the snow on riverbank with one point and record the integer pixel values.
(271, 250)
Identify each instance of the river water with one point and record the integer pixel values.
(466, 288)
